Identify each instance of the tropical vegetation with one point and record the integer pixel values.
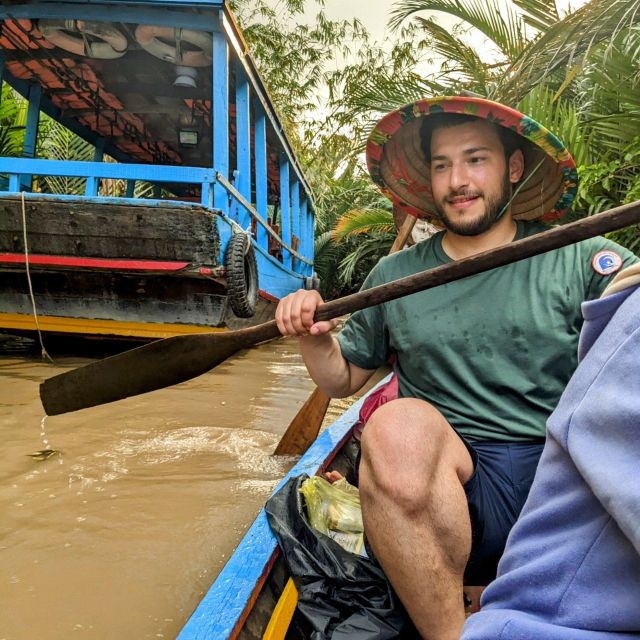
(576, 72)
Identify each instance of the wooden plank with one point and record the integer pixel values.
(243, 144)
(220, 115)
(285, 210)
(260, 146)
(74, 168)
(110, 231)
(295, 224)
(115, 296)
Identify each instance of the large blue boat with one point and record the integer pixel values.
(192, 212)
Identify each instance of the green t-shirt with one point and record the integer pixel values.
(493, 352)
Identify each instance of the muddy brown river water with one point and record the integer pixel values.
(120, 534)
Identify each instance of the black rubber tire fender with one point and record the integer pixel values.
(242, 275)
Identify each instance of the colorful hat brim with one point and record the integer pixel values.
(398, 166)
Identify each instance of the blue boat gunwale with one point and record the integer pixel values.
(15, 167)
(228, 601)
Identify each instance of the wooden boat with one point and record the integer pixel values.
(253, 597)
(191, 213)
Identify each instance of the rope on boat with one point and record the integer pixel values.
(26, 263)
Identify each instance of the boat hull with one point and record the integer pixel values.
(122, 270)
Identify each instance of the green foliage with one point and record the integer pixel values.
(56, 142)
(12, 122)
(575, 73)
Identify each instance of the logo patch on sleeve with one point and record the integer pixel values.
(606, 262)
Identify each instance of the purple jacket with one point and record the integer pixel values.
(571, 568)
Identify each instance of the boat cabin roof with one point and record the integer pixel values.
(105, 72)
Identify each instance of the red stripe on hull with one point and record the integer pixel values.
(93, 263)
(268, 296)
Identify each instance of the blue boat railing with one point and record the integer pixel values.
(17, 168)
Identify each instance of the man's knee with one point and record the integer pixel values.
(405, 444)
(409, 429)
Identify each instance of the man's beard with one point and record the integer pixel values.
(493, 211)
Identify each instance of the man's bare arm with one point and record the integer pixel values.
(335, 375)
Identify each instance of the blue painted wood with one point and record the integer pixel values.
(260, 153)
(206, 195)
(224, 603)
(91, 187)
(33, 120)
(285, 209)
(243, 144)
(131, 188)
(103, 11)
(307, 236)
(74, 168)
(220, 113)
(295, 219)
(14, 182)
(261, 95)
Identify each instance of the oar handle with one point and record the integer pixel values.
(554, 238)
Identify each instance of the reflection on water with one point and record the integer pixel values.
(120, 534)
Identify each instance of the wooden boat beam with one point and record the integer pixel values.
(254, 214)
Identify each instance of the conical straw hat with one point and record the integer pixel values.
(397, 163)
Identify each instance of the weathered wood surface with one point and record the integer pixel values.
(119, 297)
(97, 230)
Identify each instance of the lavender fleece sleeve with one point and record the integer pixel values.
(606, 446)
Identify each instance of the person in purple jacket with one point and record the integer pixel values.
(571, 568)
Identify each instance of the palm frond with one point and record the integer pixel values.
(567, 43)
(502, 25)
(560, 117)
(364, 256)
(539, 14)
(364, 221)
(61, 144)
(460, 58)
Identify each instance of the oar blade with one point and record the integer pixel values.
(305, 426)
(149, 367)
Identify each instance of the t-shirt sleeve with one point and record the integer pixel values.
(597, 282)
(364, 339)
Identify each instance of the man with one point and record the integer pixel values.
(571, 569)
(481, 362)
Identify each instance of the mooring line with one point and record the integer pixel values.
(26, 262)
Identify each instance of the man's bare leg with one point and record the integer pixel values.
(415, 511)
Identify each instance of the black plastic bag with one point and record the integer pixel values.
(341, 595)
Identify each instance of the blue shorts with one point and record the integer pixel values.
(496, 492)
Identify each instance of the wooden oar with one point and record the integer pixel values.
(172, 360)
(305, 426)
